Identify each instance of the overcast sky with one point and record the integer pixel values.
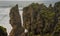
(22, 3)
(29, 0)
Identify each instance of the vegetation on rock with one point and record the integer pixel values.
(40, 20)
(3, 31)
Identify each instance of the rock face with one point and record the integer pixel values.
(57, 19)
(31, 19)
(15, 21)
(40, 20)
(27, 15)
(3, 31)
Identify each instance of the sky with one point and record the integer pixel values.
(23, 3)
(29, 0)
(4, 11)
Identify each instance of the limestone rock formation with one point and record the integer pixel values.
(57, 19)
(27, 15)
(31, 19)
(38, 19)
(15, 21)
(41, 20)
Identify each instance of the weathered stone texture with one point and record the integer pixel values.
(15, 21)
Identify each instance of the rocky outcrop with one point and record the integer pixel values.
(38, 19)
(15, 21)
(31, 19)
(41, 20)
(27, 17)
(3, 31)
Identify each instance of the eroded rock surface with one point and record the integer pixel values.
(41, 20)
(15, 21)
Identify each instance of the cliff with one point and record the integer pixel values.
(15, 21)
(40, 20)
